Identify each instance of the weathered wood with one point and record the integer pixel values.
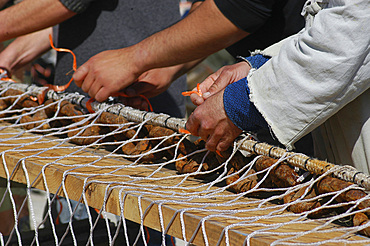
(30, 155)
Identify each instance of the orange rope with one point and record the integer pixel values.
(60, 211)
(198, 92)
(88, 105)
(147, 234)
(187, 132)
(184, 131)
(8, 75)
(62, 87)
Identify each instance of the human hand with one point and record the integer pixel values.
(152, 83)
(219, 80)
(135, 102)
(210, 122)
(149, 84)
(107, 73)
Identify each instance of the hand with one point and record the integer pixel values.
(135, 102)
(210, 122)
(219, 80)
(149, 84)
(106, 73)
(153, 82)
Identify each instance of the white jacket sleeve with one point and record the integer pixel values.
(316, 72)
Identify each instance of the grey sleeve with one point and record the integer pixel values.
(77, 6)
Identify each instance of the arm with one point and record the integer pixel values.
(215, 120)
(306, 83)
(155, 81)
(27, 17)
(25, 49)
(3, 2)
(219, 80)
(313, 76)
(185, 41)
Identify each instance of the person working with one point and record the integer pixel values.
(88, 27)
(209, 28)
(316, 81)
(91, 31)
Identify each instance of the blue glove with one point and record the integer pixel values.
(237, 104)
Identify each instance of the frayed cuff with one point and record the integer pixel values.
(255, 61)
(239, 109)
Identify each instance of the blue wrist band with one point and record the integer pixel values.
(240, 109)
(256, 61)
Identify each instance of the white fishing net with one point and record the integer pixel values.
(102, 171)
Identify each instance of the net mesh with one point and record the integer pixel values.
(100, 171)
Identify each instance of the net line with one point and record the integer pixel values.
(299, 160)
(176, 177)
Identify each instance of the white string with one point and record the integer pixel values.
(203, 193)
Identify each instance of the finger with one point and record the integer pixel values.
(136, 102)
(224, 144)
(216, 140)
(102, 94)
(144, 105)
(87, 83)
(80, 75)
(204, 128)
(212, 141)
(196, 100)
(192, 125)
(123, 100)
(93, 90)
(139, 89)
(220, 83)
(208, 82)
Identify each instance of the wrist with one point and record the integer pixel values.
(239, 109)
(255, 61)
(135, 59)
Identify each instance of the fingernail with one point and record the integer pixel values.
(206, 94)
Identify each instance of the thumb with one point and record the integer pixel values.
(80, 75)
(218, 85)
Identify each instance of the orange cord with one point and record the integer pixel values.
(60, 211)
(147, 235)
(62, 87)
(198, 92)
(8, 75)
(187, 132)
(184, 131)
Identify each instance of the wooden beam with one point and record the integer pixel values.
(59, 163)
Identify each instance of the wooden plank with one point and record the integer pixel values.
(58, 160)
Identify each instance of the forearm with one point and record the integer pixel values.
(312, 77)
(3, 2)
(29, 16)
(200, 34)
(181, 69)
(25, 49)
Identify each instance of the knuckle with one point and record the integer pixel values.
(223, 145)
(210, 145)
